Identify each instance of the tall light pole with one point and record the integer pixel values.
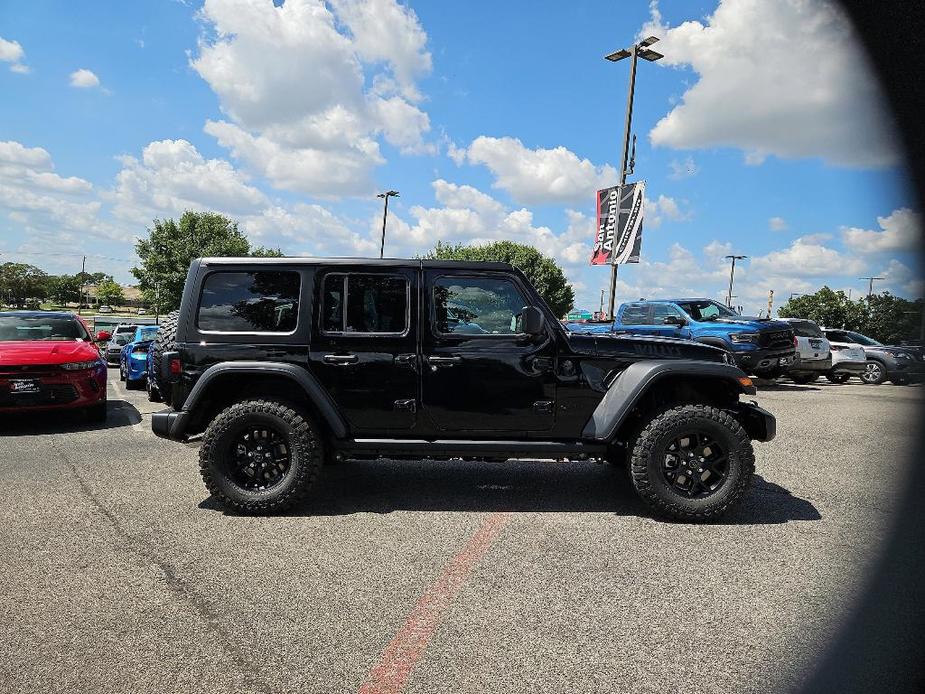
(637, 50)
(385, 213)
(732, 272)
(870, 286)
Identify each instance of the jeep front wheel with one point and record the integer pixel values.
(692, 463)
(260, 456)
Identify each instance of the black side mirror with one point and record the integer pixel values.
(673, 320)
(531, 321)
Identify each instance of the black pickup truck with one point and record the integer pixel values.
(284, 364)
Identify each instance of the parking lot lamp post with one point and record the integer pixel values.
(385, 214)
(637, 50)
(732, 272)
(870, 286)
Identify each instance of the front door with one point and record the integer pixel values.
(479, 372)
(364, 346)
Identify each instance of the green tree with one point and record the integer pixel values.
(543, 272)
(109, 292)
(20, 281)
(891, 319)
(170, 247)
(64, 289)
(827, 307)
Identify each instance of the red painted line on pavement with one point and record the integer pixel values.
(402, 654)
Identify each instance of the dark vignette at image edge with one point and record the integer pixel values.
(881, 647)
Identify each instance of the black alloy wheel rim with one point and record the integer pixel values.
(694, 465)
(259, 458)
(871, 372)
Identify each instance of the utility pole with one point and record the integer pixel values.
(385, 214)
(600, 313)
(83, 269)
(770, 301)
(638, 50)
(732, 272)
(870, 286)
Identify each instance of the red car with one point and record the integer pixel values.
(49, 361)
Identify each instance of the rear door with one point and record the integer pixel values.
(364, 346)
(480, 373)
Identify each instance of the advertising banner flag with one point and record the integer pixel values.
(619, 224)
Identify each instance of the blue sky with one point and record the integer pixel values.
(494, 120)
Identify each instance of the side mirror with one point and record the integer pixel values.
(532, 321)
(103, 336)
(673, 320)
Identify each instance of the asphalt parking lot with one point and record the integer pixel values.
(120, 574)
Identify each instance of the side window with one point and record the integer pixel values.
(265, 301)
(662, 311)
(477, 306)
(637, 314)
(364, 304)
(837, 336)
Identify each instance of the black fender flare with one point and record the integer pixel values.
(713, 342)
(301, 376)
(633, 382)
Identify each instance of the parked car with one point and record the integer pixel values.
(48, 361)
(759, 346)
(848, 357)
(897, 364)
(120, 336)
(133, 359)
(141, 312)
(283, 363)
(104, 309)
(813, 349)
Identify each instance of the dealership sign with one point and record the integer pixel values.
(619, 224)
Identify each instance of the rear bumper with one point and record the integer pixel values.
(169, 424)
(760, 424)
(812, 366)
(849, 367)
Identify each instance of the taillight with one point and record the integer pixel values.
(795, 343)
(836, 348)
(176, 368)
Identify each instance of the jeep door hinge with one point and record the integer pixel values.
(409, 405)
(543, 406)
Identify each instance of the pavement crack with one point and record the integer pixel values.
(173, 581)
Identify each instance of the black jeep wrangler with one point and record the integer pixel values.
(284, 364)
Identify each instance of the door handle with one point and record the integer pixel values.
(442, 361)
(340, 359)
(407, 360)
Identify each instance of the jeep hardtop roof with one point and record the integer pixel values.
(375, 262)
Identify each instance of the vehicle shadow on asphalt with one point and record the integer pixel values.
(520, 487)
(120, 413)
(783, 386)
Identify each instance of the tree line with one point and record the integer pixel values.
(26, 286)
(886, 318)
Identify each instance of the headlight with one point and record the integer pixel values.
(744, 337)
(80, 365)
(900, 355)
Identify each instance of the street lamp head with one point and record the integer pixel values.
(618, 55)
(393, 193)
(648, 41)
(737, 257)
(651, 56)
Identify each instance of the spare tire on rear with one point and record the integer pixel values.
(166, 341)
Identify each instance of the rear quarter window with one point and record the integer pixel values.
(264, 301)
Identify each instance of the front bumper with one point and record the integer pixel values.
(56, 390)
(759, 424)
(909, 369)
(764, 359)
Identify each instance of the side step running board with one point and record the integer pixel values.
(459, 448)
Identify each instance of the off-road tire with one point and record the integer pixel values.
(803, 379)
(153, 393)
(165, 341)
(646, 461)
(304, 444)
(122, 376)
(840, 378)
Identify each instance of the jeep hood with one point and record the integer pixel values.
(755, 322)
(642, 347)
(46, 352)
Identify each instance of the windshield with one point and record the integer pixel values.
(706, 310)
(805, 328)
(145, 334)
(121, 339)
(862, 339)
(27, 328)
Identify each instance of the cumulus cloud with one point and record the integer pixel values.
(309, 88)
(783, 78)
(808, 257)
(901, 230)
(683, 169)
(84, 79)
(13, 53)
(777, 224)
(536, 176)
(172, 176)
(662, 208)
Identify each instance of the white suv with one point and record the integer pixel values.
(848, 358)
(812, 348)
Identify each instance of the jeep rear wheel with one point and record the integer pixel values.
(165, 341)
(692, 463)
(260, 456)
(840, 377)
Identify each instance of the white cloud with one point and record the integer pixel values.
(84, 79)
(172, 176)
(662, 208)
(535, 176)
(808, 257)
(901, 230)
(292, 81)
(785, 78)
(683, 169)
(13, 53)
(777, 224)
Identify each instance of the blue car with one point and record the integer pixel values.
(133, 360)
